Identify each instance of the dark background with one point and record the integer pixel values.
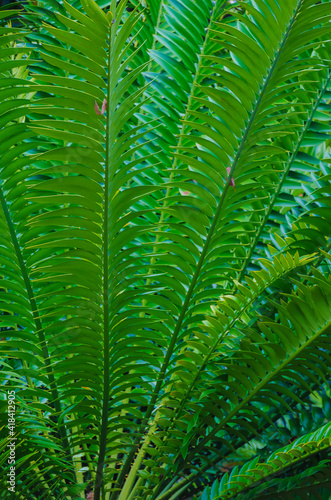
(13, 3)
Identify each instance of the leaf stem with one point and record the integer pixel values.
(39, 328)
(282, 180)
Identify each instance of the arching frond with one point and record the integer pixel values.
(165, 248)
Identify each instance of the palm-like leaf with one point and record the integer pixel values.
(161, 306)
(241, 483)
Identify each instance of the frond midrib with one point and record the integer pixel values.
(106, 291)
(282, 180)
(35, 314)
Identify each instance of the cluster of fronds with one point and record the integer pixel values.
(164, 248)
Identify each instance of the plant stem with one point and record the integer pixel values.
(106, 367)
(126, 490)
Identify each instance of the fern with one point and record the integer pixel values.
(164, 248)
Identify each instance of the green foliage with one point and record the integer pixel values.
(242, 480)
(165, 280)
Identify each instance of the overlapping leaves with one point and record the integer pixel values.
(121, 229)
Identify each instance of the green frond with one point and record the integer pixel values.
(165, 248)
(266, 370)
(242, 481)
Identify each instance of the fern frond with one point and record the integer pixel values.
(245, 478)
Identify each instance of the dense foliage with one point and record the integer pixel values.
(165, 235)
